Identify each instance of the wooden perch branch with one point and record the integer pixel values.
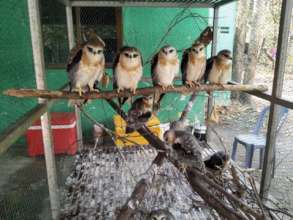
(21, 93)
(197, 180)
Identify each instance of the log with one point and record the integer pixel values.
(23, 93)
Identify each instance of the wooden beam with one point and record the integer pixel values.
(39, 66)
(17, 129)
(284, 31)
(48, 94)
(210, 103)
(166, 4)
(71, 43)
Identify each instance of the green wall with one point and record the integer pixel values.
(16, 68)
(141, 30)
(142, 27)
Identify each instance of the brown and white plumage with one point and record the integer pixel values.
(127, 69)
(218, 68)
(164, 69)
(165, 66)
(139, 113)
(193, 64)
(86, 64)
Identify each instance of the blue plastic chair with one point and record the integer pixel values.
(254, 140)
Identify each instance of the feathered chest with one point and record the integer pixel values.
(128, 77)
(195, 67)
(167, 66)
(91, 65)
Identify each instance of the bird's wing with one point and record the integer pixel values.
(208, 69)
(74, 56)
(154, 62)
(115, 63)
(202, 72)
(184, 65)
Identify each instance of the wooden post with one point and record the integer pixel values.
(38, 56)
(71, 43)
(210, 103)
(284, 31)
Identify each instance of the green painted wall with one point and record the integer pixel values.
(142, 27)
(145, 28)
(16, 68)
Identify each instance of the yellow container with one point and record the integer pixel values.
(134, 138)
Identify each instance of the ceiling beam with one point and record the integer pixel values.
(165, 4)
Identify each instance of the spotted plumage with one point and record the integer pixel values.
(218, 68)
(193, 64)
(127, 70)
(185, 147)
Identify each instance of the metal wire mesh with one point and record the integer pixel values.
(105, 22)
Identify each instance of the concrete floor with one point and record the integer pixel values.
(23, 183)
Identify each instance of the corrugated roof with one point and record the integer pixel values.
(152, 3)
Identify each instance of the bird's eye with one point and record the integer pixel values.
(135, 55)
(90, 49)
(99, 51)
(170, 51)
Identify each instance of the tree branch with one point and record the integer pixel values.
(21, 93)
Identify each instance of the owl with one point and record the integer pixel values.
(185, 148)
(193, 64)
(218, 68)
(139, 113)
(127, 70)
(86, 64)
(160, 214)
(164, 69)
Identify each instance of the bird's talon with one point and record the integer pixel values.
(196, 84)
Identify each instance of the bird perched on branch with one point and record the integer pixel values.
(139, 113)
(160, 214)
(86, 65)
(127, 70)
(164, 69)
(218, 68)
(193, 64)
(185, 148)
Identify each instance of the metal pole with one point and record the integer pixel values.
(71, 41)
(38, 56)
(284, 31)
(210, 104)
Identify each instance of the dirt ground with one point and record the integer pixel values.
(238, 119)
